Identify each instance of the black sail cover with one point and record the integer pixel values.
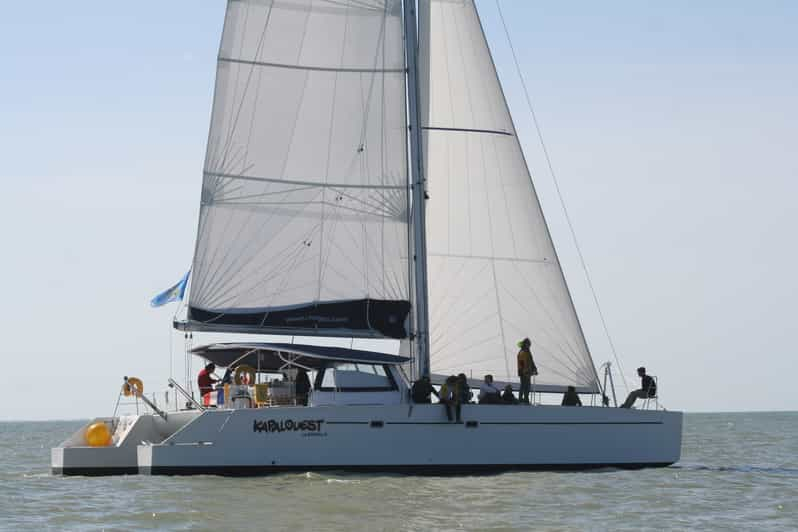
(385, 317)
(304, 214)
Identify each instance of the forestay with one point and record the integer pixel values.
(304, 217)
(494, 276)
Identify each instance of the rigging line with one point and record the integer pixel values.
(560, 196)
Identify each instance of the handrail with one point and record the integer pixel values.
(173, 384)
(139, 394)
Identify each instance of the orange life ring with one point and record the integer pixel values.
(250, 375)
(130, 384)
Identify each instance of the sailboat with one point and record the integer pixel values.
(364, 181)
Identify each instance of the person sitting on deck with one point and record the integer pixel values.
(450, 397)
(488, 393)
(507, 397)
(648, 388)
(205, 380)
(422, 391)
(571, 398)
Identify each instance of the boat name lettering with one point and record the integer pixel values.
(272, 425)
(317, 319)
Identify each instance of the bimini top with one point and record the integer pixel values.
(274, 357)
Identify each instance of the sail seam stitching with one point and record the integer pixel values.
(308, 183)
(468, 130)
(313, 68)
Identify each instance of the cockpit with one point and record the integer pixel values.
(260, 375)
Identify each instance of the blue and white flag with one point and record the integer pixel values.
(174, 293)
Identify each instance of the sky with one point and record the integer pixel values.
(671, 127)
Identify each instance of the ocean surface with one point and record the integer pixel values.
(738, 472)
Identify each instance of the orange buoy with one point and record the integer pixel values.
(98, 435)
(244, 374)
(130, 383)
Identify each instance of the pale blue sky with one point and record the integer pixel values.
(671, 125)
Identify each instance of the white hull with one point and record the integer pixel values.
(75, 457)
(415, 439)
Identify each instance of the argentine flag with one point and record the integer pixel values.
(174, 293)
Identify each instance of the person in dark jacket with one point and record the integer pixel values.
(422, 391)
(571, 398)
(508, 397)
(302, 387)
(464, 394)
(526, 369)
(648, 388)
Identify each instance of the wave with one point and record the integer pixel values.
(790, 471)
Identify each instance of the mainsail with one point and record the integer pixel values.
(303, 223)
(494, 276)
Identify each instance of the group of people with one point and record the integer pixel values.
(456, 391)
(206, 379)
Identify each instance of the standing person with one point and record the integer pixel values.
(205, 380)
(526, 368)
(464, 394)
(302, 386)
(648, 388)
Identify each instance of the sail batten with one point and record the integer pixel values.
(494, 273)
(307, 67)
(304, 209)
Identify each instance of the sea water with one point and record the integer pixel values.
(738, 472)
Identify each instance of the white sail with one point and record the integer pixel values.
(304, 217)
(494, 276)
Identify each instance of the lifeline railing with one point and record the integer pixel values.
(184, 393)
(139, 394)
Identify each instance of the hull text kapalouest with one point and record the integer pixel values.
(364, 182)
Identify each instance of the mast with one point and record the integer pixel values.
(418, 191)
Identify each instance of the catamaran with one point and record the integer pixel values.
(364, 182)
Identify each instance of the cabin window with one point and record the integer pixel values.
(351, 377)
